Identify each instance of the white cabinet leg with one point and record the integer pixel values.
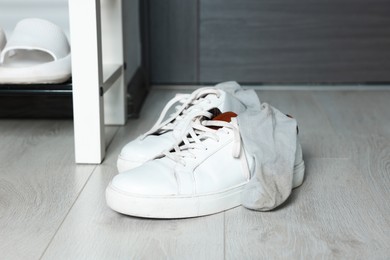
(84, 18)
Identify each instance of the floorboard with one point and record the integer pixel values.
(39, 183)
(371, 155)
(330, 216)
(51, 208)
(365, 112)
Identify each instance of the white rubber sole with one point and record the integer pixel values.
(172, 207)
(58, 71)
(182, 206)
(299, 174)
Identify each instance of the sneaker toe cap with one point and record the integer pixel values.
(151, 179)
(141, 150)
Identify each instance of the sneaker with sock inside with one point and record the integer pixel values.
(165, 133)
(203, 174)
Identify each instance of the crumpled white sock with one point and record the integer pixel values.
(270, 137)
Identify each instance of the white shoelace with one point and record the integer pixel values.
(188, 102)
(200, 131)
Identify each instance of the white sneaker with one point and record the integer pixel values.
(164, 134)
(203, 175)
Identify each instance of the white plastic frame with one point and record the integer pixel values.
(97, 71)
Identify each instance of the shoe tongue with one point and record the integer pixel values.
(217, 115)
(227, 116)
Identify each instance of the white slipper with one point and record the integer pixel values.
(37, 52)
(3, 39)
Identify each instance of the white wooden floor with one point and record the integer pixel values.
(52, 209)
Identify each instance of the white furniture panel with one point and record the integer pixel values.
(97, 70)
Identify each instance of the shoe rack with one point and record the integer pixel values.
(28, 101)
(97, 86)
(99, 94)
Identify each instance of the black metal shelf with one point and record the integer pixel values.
(36, 100)
(63, 89)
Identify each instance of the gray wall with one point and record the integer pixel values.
(263, 41)
(12, 11)
(173, 36)
(131, 37)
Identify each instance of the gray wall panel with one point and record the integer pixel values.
(295, 41)
(131, 37)
(173, 41)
